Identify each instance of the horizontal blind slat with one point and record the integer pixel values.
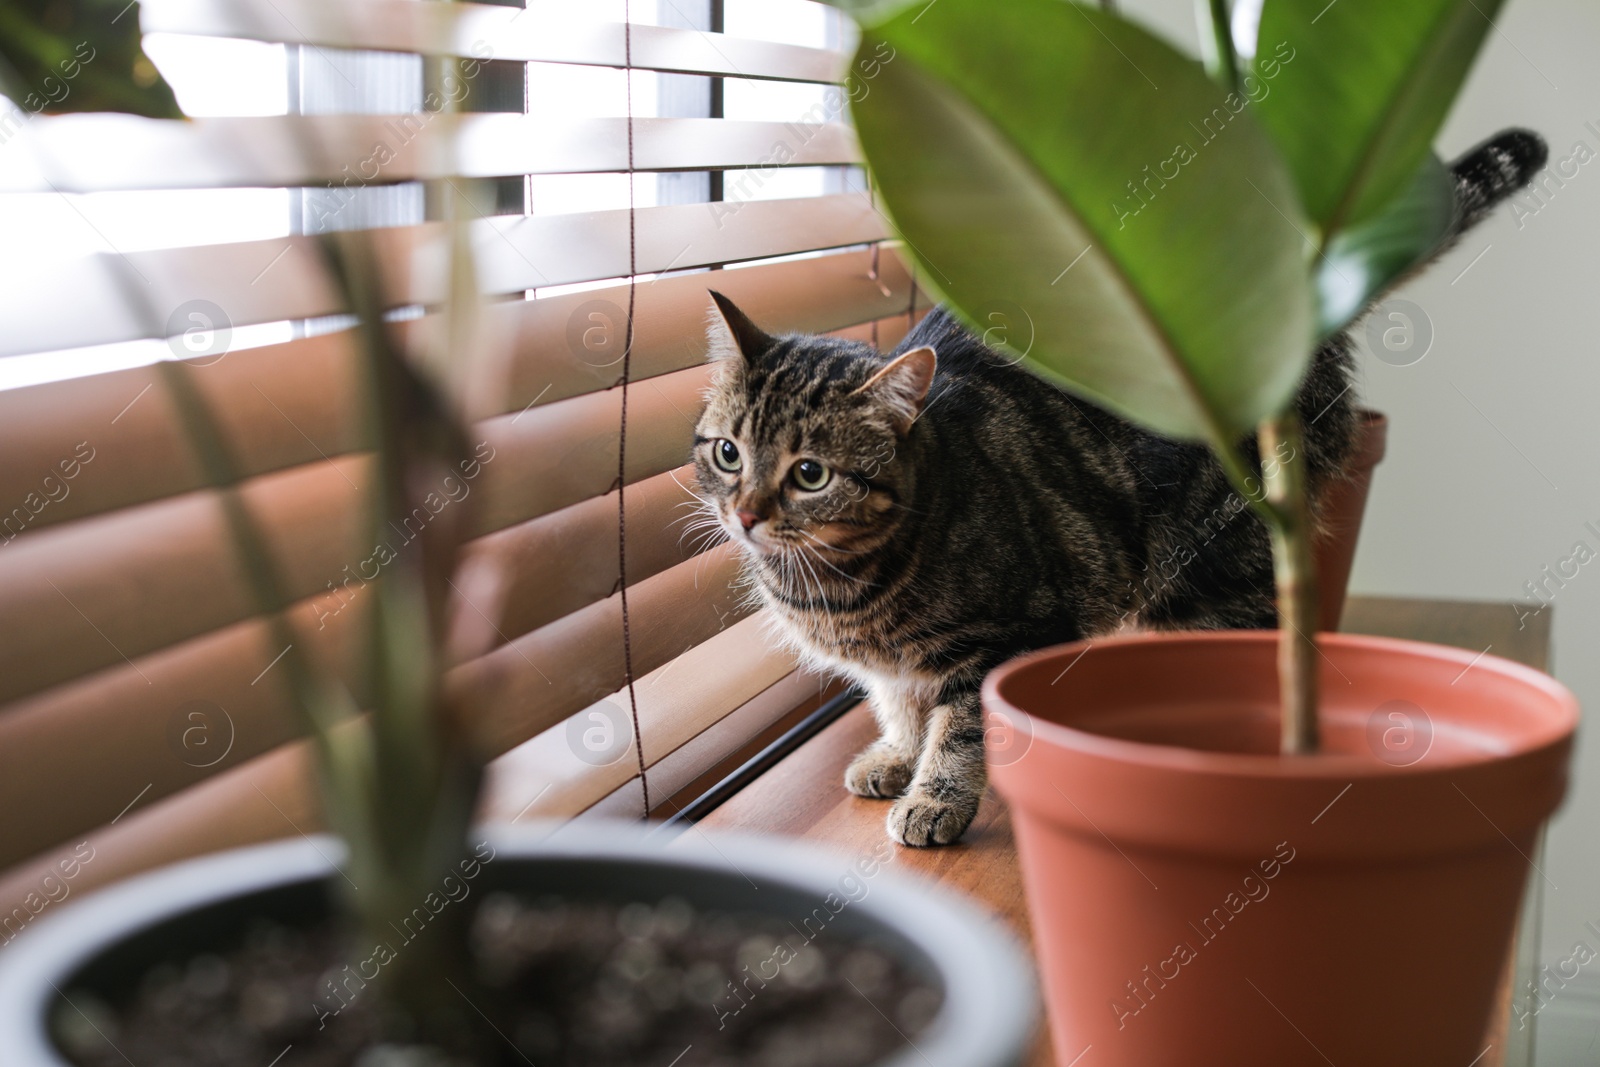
(569, 453)
(258, 803)
(286, 405)
(516, 692)
(282, 278)
(131, 582)
(483, 31)
(101, 593)
(677, 702)
(578, 336)
(712, 748)
(122, 564)
(272, 796)
(669, 614)
(568, 559)
(68, 152)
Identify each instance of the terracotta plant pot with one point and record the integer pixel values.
(1199, 900)
(1341, 518)
(108, 941)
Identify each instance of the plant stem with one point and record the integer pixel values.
(1222, 60)
(1283, 471)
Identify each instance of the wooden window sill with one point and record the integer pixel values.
(802, 796)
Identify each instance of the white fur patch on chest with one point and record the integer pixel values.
(816, 639)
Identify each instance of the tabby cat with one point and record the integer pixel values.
(913, 520)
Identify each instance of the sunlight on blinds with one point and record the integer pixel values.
(219, 77)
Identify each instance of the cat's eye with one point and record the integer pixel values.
(811, 475)
(726, 455)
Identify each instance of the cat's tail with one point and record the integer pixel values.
(1493, 171)
(1485, 176)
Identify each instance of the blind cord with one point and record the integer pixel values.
(873, 274)
(911, 306)
(622, 431)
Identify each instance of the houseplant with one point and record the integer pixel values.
(1183, 237)
(399, 774)
(175, 915)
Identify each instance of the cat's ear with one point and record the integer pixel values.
(903, 385)
(731, 333)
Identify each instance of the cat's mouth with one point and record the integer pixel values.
(763, 540)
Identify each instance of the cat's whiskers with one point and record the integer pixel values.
(795, 587)
(771, 576)
(706, 541)
(797, 568)
(701, 519)
(704, 509)
(704, 523)
(707, 529)
(818, 557)
(687, 518)
(831, 548)
(801, 560)
(790, 580)
(693, 516)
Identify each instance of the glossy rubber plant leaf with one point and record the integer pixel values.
(1371, 81)
(1371, 256)
(58, 56)
(1143, 245)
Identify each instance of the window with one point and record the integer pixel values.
(118, 583)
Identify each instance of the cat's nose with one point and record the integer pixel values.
(747, 519)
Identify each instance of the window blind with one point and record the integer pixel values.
(125, 622)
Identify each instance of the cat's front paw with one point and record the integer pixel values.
(920, 820)
(879, 773)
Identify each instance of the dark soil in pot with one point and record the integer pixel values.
(556, 982)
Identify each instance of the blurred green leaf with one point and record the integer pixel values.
(79, 55)
(1033, 165)
(1365, 259)
(1371, 81)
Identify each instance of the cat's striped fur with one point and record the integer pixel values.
(970, 512)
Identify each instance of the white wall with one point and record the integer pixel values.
(1473, 503)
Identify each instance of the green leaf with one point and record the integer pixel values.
(58, 56)
(1028, 157)
(1368, 258)
(1370, 82)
